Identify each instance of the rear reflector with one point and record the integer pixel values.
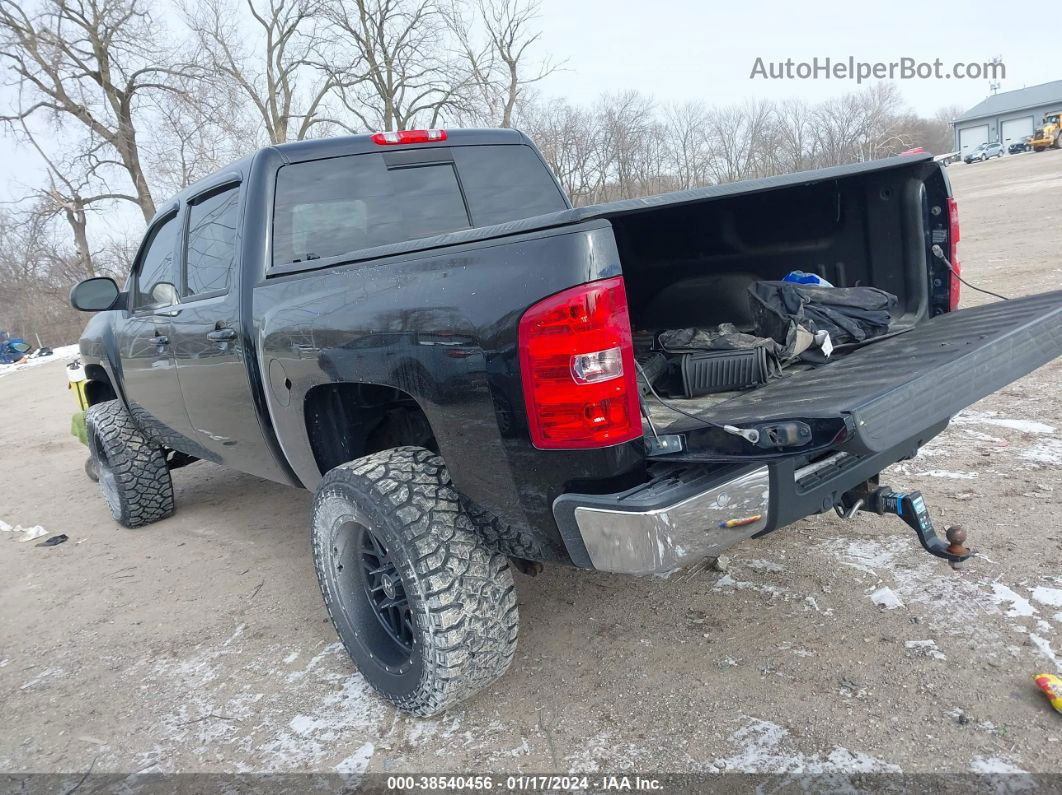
(408, 137)
(577, 368)
(953, 254)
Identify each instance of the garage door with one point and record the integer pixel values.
(1014, 130)
(971, 137)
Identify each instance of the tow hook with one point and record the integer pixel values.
(911, 507)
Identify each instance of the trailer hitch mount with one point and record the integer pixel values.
(911, 507)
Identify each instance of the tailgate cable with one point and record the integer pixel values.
(938, 252)
(750, 435)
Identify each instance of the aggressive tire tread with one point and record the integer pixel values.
(461, 590)
(141, 476)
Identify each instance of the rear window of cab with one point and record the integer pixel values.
(327, 208)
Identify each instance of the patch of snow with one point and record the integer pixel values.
(602, 752)
(945, 473)
(1045, 451)
(983, 437)
(62, 353)
(989, 418)
(762, 565)
(924, 648)
(886, 598)
(329, 650)
(352, 768)
(727, 582)
(993, 765)
(761, 749)
(312, 736)
(867, 556)
(1020, 606)
(1043, 645)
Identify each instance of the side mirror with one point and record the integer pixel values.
(164, 294)
(94, 295)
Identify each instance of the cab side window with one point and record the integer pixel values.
(156, 274)
(211, 246)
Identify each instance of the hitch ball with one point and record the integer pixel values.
(956, 535)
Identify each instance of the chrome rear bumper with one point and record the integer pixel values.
(668, 537)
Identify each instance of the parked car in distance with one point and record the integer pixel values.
(985, 151)
(1020, 146)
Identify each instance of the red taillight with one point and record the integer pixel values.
(408, 137)
(577, 367)
(953, 254)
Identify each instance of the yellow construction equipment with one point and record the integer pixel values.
(1050, 134)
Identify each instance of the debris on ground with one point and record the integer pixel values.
(886, 598)
(721, 563)
(1052, 687)
(30, 533)
(54, 541)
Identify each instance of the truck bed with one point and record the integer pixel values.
(912, 380)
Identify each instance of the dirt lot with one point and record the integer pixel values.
(201, 644)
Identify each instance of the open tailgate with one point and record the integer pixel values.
(893, 389)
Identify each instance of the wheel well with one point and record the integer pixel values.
(98, 387)
(347, 421)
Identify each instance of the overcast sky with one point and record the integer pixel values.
(682, 49)
(679, 50)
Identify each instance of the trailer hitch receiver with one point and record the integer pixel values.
(911, 507)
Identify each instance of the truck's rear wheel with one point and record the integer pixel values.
(427, 612)
(131, 469)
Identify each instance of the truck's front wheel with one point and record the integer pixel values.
(131, 469)
(425, 609)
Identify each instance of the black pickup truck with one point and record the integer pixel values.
(421, 328)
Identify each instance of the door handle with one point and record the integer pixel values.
(222, 335)
(160, 340)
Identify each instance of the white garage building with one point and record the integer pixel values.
(1006, 117)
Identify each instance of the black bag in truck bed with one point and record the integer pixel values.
(890, 389)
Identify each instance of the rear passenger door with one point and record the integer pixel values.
(208, 346)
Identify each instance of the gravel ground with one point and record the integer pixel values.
(201, 643)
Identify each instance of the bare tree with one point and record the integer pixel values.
(196, 132)
(795, 144)
(89, 61)
(71, 193)
(498, 71)
(861, 125)
(567, 138)
(285, 73)
(405, 73)
(630, 137)
(688, 151)
(742, 141)
(36, 271)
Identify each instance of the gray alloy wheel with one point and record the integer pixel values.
(424, 608)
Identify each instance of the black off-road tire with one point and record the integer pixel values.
(132, 470)
(458, 626)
